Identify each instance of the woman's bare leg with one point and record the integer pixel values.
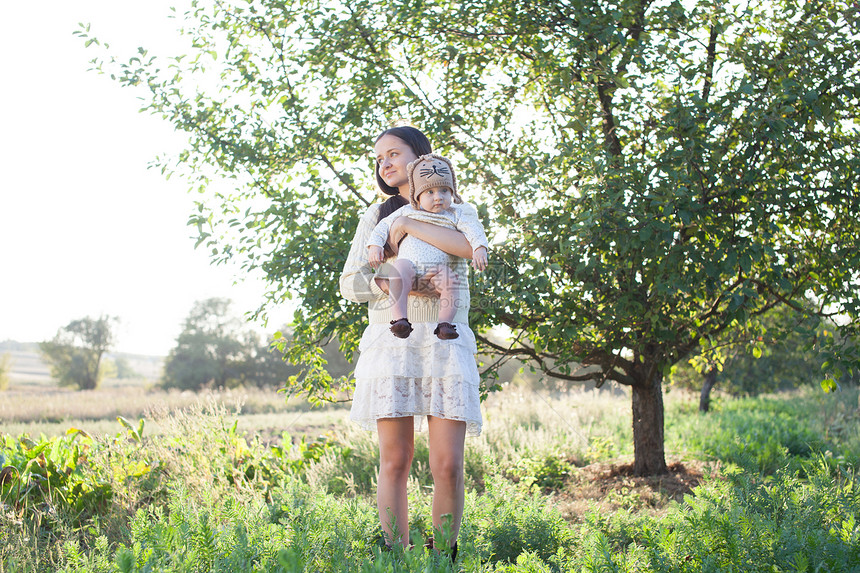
(399, 285)
(446, 282)
(396, 447)
(447, 445)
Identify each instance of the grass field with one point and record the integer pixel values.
(52, 411)
(34, 404)
(759, 484)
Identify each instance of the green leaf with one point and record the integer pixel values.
(133, 432)
(77, 431)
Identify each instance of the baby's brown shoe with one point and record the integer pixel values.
(446, 331)
(401, 328)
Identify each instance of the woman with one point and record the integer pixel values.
(400, 381)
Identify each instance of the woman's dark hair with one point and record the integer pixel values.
(420, 145)
(412, 137)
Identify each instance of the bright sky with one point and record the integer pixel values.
(85, 227)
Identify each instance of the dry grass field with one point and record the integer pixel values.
(35, 405)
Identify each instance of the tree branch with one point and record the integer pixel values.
(709, 62)
(610, 138)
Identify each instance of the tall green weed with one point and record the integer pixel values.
(302, 529)
(204, 496)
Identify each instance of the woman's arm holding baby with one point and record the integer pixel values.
(451, 241)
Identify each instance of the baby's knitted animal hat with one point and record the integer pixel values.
(428, 171)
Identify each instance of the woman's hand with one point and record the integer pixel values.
(399, 228)
(423, 287)
(451, 241)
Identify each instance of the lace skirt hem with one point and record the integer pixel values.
(417, 376)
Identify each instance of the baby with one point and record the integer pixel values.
(433, 199)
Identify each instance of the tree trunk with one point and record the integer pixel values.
(648, 453)
(707, 386)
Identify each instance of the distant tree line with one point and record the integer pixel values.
(216, 350)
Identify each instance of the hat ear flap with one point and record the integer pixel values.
(454, 193)
(410, 168)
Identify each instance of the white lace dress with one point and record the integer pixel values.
(418, 376)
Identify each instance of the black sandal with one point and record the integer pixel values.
(401, 328)
(452, 550)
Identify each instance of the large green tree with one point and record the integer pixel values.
(211, 351)
(75, 353)
(653, 173)
(216, 349)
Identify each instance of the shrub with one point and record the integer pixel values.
(507, 523)
(784, 523)
(543, 473)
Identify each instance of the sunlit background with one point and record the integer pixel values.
(85, 227)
